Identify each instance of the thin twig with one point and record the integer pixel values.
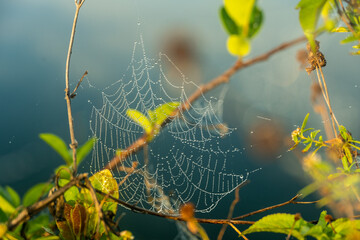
(74, 143)
(30, 211)
(292, 200)
(73, 94)
(137, 209)
(231, 211)
(238, 231)
(223, 78)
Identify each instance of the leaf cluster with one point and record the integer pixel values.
(295, 226)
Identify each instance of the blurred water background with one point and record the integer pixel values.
(34, 38)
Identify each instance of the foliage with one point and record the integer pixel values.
(76, 215)
(157, 117)
(242, 21)
(294, 225)
(311, 10)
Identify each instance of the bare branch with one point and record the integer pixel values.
(231, 210)
(292, 201)
(74, 143)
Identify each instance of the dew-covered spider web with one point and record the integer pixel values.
(188, 161)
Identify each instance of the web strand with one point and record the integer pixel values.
(186, 162)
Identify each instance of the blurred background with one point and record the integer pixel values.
(265, 102)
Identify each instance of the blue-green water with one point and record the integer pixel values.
(33, 44)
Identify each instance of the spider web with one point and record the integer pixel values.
(187, 161)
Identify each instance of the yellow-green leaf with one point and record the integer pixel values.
(238, 45)
(3, 229)
(6, 206)
(161, 113)
(140, 119)
(340, 29)
(35, 193)
(277, 223)
(58, 145)
(240, 11)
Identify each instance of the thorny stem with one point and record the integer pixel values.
(74, 143)
(223, 78)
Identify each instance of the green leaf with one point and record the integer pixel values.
(255, 21)
(238, 45)
(15, 198)
(63, 171)
(105, 182)
(308, 16)
(343, 132)
(10, 196)
(240, 11)
(277, 223)
(161, 113)
(3, 217)
(71, 194)
(6, 206)
(322, 222)
(309, 13)
(348, 154)
(140, 119)
(35, 226)
(307, 147)
(35, 193)
(350, 38)
(228, 24)
(304, 122)
(58, 145)
(84, 150)
(314, 133)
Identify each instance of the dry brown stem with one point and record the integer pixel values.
(231, 210)
(291, 201)
(223, 78)
(73, 94)
(74, 143)
(234, 221)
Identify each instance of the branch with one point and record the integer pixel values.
(223, 78)
(235, 221)
(137, 209)
(74, 143)
(30, 211)
(231, 210)
(292, 201)
(73, 94)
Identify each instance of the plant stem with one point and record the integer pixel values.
(74, 143)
